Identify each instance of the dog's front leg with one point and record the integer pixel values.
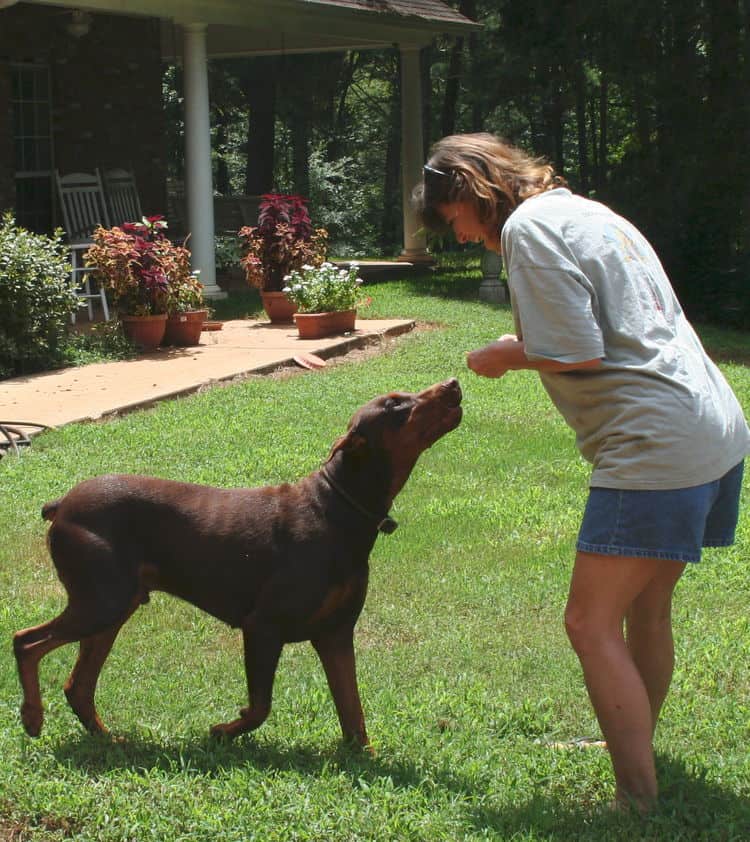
(263, 647)
(336, 652)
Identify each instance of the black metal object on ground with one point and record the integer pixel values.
(13, 437)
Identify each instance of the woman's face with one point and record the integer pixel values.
(464, 221)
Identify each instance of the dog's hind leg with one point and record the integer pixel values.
(336, 653)
(262, 652)
(81, 684)
(102, 593)
(29, 647)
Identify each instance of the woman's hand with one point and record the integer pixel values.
(508, 354)
(495, 359)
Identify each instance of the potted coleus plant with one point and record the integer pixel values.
(283, 240)
(137, 262)
(186, 311)
(326, 297)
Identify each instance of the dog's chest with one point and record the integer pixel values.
(339, 598)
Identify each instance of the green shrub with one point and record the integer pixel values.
(37, 297)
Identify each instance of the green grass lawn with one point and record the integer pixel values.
(464, 668)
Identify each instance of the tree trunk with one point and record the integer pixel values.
(452, 83)
(477, 115)
(583, 153)
(726, 113)
(425, 66)
(300, 126)
(603, 119)
(222, 170)
(348, 69)
(258, 85)
(594, 142)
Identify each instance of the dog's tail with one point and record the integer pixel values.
(49, 510)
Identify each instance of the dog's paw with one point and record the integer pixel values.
(223, 731)
(32, 717)
(356, 744)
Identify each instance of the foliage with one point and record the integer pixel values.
(100, 342)
(37, 298)
(185, 293)
(324, 288)
(283, 240)
(344, 204)
(228, 252)
(465, 673)
(141, 266)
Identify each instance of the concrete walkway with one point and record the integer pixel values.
(242, 347)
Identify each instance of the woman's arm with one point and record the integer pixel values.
(507, 354)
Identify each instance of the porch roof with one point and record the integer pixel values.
(257, 27)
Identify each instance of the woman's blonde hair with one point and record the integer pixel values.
(484, 170)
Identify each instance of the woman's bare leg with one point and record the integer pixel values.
(648, 625)
(603, 589)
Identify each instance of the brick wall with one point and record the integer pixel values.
(106, 95)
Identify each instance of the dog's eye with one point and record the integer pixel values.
(397, 409)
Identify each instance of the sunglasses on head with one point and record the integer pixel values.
(433, 170)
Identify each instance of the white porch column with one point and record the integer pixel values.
(415, 243)
(199, 180)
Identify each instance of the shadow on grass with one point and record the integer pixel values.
(690, 808)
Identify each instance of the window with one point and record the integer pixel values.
(32, 145)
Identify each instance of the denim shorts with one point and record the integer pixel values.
(662, 524)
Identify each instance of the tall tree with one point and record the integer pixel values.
(258, 80)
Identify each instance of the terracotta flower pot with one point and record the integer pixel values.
(278, 307)
(316, 325)
(184, 328)
(145, 331)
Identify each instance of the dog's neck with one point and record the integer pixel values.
(365, 491)
(385, 524)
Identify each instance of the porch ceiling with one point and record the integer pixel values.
(245, 27)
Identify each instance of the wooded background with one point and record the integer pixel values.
(643, 104)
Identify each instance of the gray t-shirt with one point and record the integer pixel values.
(584, 284)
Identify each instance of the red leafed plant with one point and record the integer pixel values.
(140, 265)
(283, 240)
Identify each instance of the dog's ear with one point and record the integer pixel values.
(350, 442)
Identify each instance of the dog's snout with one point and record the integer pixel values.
(452, 385)
(447, 392)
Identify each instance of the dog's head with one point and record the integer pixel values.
(387, 435)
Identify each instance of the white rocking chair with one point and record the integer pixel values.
(122, 196)
(83, 209)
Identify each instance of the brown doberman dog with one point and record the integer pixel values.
(283, 563)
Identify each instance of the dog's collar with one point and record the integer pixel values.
(386, 525)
